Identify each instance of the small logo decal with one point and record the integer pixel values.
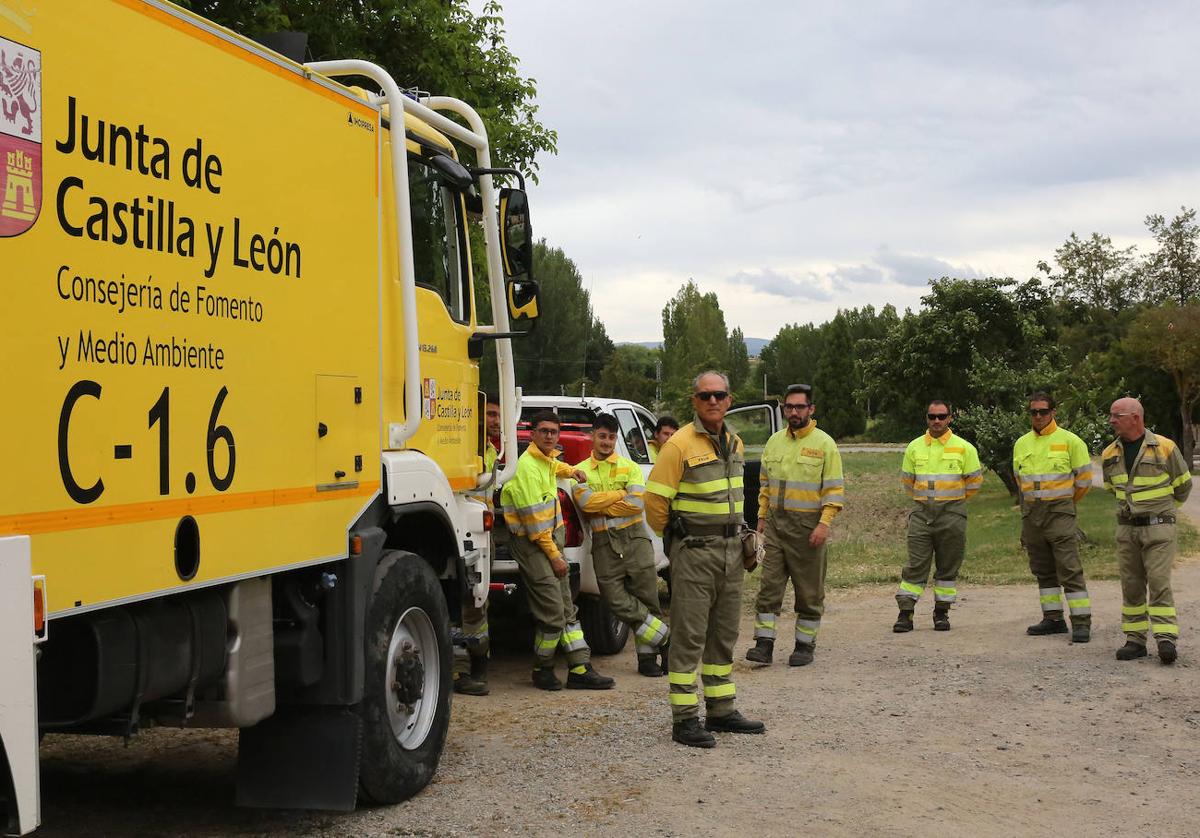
(428, 397)
(20, 137)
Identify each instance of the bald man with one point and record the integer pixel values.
(1150, 479)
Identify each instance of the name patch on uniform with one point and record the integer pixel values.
(1058, 446)
(812, 452)
(701, 459)
(955, 449)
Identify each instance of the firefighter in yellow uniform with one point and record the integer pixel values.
(1054, 470)
(940, 473)
(470, 665)
(694, 499)
(802, 490)
(613, 501)
(663, 429)
(1150, 479)
(535, 522)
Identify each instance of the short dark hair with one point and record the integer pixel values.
(606, 422)
(545, 416)
(1042, 396)
(666, 422)
(941, 401)
(491, 398)
(794, 389)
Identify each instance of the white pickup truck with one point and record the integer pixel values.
(605, 634)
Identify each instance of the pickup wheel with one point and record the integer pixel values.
(405, 709)
(605, 634)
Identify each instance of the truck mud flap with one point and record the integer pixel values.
(303, 757)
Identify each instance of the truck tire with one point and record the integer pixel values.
(405, 709)
(605, 634)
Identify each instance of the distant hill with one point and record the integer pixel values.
(753, 345)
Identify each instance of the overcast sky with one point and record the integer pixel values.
(798, 157)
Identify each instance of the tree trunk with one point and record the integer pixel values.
(1005, 473)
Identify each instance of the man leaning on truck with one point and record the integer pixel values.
(535, 521)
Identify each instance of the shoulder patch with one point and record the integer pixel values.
(700, 459)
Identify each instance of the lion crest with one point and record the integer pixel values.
(19, 86)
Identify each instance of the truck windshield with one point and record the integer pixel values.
(439, 238)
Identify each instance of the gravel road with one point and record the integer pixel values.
(981, 731)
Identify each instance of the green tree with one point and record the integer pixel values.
(836, 381)
(629, 374)
(790, 357)
(1173, 270)
(1094, 273)
(1169, 336)
(739, 359)
(440, 46)
(694, 339)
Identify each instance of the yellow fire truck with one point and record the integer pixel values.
(242, 421)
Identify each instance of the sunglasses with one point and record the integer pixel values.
(1040, 411)
(717, 395)
(938, 416)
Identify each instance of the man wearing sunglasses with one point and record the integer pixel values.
(801, 492)
(940, 472)
(1055, 472)
(694, 500)
(1150, 479)
(535, 523)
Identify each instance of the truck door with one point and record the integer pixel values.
(754, 423)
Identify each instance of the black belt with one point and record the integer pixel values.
(724, 530)
(1146, 520)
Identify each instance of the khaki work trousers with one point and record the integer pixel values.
(624, 563)
(706, 598)
(937, 536)
(788, 555)
(1145, 556)
(1048, 533)
(557, 624)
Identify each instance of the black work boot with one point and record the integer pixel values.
(941, 619)
(1048, 625)
(1081, 632)
(688, 732)
(476, 682)
(1130, 651)
(589, 679)
(544, 679)
(648, 665)
(762, 651)
(802, 655)
(903, 622)
(735, 722)
(1167, 653)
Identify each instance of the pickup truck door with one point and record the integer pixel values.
(754, 423)
(636, 429)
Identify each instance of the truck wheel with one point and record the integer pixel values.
(406, 691)
(605, 634)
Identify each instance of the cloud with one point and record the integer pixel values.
(909, 269)
(767, 281)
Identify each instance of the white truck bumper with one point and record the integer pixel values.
(18, 688)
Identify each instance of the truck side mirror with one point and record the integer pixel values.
(523, 297)
(516, 237)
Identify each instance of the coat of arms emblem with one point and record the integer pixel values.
(20, 137)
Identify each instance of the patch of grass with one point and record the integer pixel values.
(868, 545)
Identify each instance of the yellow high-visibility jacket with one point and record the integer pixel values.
(530, 499)
(613, 497)
(801, 472)
(941, 469)
(692, 480)
(1053, 465)
(1161, 479)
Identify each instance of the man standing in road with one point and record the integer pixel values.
(663, 429)
(622, 553)
(940, 472)
(694, 496)
(535, 522)
(1150, 479)
(1054, 470)
(801, 493)
(470, 669)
